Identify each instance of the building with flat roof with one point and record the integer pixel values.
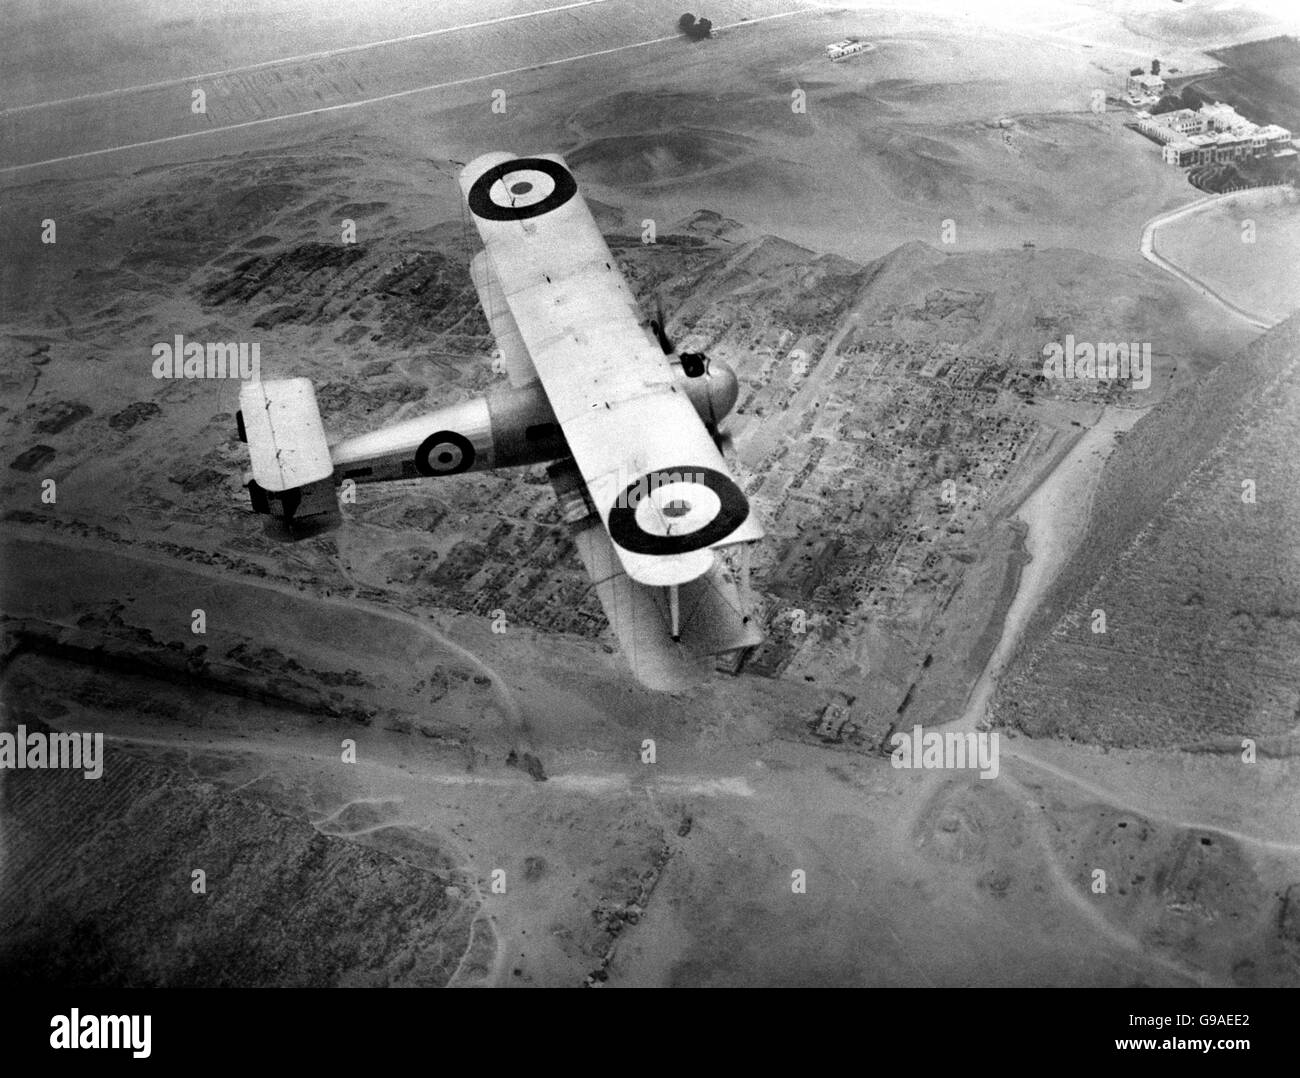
(848, 47)
(1211, 134)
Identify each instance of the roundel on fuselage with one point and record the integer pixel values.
(444, 453)
(519, 189)
(677, 510)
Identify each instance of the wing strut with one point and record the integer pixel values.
(744, 579)
(675, 612)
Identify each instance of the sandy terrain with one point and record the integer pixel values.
(1259, 277)
(1054, 517)
(1119, 654)
(606, 861)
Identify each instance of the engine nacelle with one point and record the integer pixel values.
(711, 385)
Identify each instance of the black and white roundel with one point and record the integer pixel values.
(444, 453)
(519, 189)
(677, 510)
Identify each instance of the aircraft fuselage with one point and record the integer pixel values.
(509, 427)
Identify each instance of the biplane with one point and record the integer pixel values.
(627, 426)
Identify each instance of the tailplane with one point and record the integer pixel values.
(292, 476)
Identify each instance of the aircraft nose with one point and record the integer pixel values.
(724, 387)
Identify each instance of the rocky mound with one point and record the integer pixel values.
(99, 890)
(1192, 559)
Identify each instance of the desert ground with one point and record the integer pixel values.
(1241, 248)
(380, 786)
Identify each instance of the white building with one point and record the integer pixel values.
(848, 47)
(1213, 133)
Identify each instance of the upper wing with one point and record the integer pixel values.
(657, 480)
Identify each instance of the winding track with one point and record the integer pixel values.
(1047, 513)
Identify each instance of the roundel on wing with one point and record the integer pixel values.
(519, 189)
(677, 510)
(444, 453)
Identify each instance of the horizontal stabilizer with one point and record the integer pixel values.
(286, 438)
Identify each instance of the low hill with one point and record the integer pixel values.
(1193, 560)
